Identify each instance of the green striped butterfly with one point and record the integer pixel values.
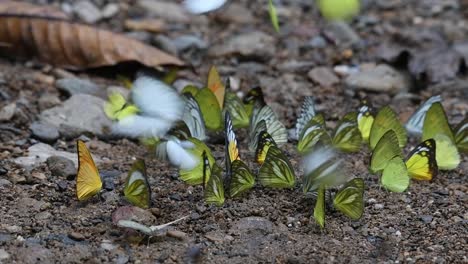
(386, 149)
(276, 171)
(350, 199)
(235, 107)
(319, 209)
(385, 120)
(461, 135)
(264, 143)
(314, 132)
(212, 182)
(307, 113)
(137, 190)
(347, 136)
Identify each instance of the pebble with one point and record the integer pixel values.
(72, 86)
(294, 66)
(236, 13)
(40, 152)
(7, 112)
(382, 78)
(151, 25)
(378, 206)
(185, 42)
(76, 236)
(318, 42)
(5, 182)
(253, 223)
(107, 245)
(44, 132)
(177, 234)
(323, 76)
(426, 218)
(3, 254)
(61, 167)
(110, 10)
(342, 33)
(165, 43)
(71, 118)
(255, 44)
(87, 11)
(169, 11)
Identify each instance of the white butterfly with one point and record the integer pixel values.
(202, 6)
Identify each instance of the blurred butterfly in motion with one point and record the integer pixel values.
(117, 107)
(88, 180)
(137, 190)
(238, 178)
(307, 113)
(436, 126)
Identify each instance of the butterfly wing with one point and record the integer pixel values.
(242, 179)
(254, 134)
(421, 161)
(350, 199)
(273, 126)
(415, 123)
(386, 120)
(313, 133)
(214, 189)
(461, 135)
(195, 176)
(232, 151)
(137, 190)
(436, 126)
(307, 112)
(319, 209)
(117, 108)
(210, 109)
(88, 181)
(234, 106)
(193, 118)
(215, 84)
(384, 151)
(347, 136)
(395, 176)
(276, 171)
(365, 119)
(265, 141)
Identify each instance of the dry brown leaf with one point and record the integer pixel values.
(73, 45)
(23, 8)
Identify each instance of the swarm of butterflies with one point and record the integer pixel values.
(177, 125)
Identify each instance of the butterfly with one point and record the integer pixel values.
(436, 126)
(193, 118)
(350, 199)
(212, 183)
(203, 6)
(274, 126)
(365, 119)
(276, 171)
(319, 209)
(386, 149)
(322, 168)
(236, 108)
(395, 176)
(339, 9)
(385, 120)
(307, 112)
(421, 162)
(88, 180)
(264, 143)
(314, 132)
(253, 95)
(137, 190)
(347, 136)
(414, 125)
(238, 176)
(215, 85)
(117, 107)
(461, 135)
(273, 15)
(210, 109)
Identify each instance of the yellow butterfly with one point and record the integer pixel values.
(365, 119)
(421, 162)
(386, 149)
(215, 84)
(117, 107)
(264, 143)
(347, 136)
(88, 181)
(386, 120)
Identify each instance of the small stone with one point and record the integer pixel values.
(43, 216)
(62, 185)
(398, 233)
(150, 25)
(61, 167)
(107, 245)
(318, 42)
(382, 78)
(342, 33)
(254, 223)
(195, 216)
(72, 86)
(3, 255)
(255, 44)
(39, 176)
(40, 152)
(110, 10)
(44, 132)
(323, 76)
(372, 201)
(165, 43)
(200, 208)
(87, 11)
(216, 237)
(76, 236)
(295, 66)
(177, 234)
(378, 206)
(237, 13)
(175, 197)
(186, 42)
(5, 182)
(169, 11)
(7, 112)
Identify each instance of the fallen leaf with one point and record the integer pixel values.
(73, 45)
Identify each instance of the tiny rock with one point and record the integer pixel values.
(323, 76)
(61, 167)
(76, 236)
(382, 78)
(8, 111)
(150, 25)
(44, 132)
(87, 11)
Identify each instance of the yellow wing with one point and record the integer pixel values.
(88, 181)
(422, 163)
(216, 86)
